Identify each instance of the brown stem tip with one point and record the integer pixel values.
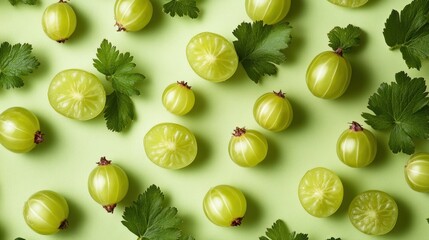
(38, 137)
(236, 222)
(184, 84)
(339, 51)
(103, 161)
(354, 126)
(120, 27)
(280, 94)
(110, 208)
(64, 225)
(239, 131)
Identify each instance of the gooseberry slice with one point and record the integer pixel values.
(349, 3)
(77, 94)
(373, 212)
(212, 56)
(170, 145)
(320, 192)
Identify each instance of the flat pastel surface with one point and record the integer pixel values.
(63, 162)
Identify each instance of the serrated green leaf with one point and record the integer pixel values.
(28, 2)
(409, 31)
(119, 111)
(402, 108)
(125, 82)
(260, 47)
(344, 39)
(110, 61)
(299, 236)
(16, 62)
(149, 218)
(278, 231)
(118, 69)
(186, 237)
(182, 8)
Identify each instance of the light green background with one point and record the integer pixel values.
(64, 161)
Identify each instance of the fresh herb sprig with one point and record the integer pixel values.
(402, 108)
(343, 40)
(16, 61)
(150, 218)
(409, 32)
(182, 8)
(279, 231)
(260, 47)
(28, 2)
(118, 69)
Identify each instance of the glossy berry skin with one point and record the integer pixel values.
(178, 98)
(417, 172)
(59, 21)
(269, 11)
(46, 212)
(356, 146)
(247, 147)
(19, 130)
(328, 75)
(225, 205)
(132, 15)
(107, 184)
(273, 111)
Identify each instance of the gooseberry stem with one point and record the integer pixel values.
(110, 208)
(239, 131)
(120, 27)
(38, 137)
(339, 51)
(103, 161)
(236, 222)
(354, 126)
(64, 225)
(184, 84)
(279, 93)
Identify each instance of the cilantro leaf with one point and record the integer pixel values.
(187, 237)
(28, 2)
(149, 218)
(427, 219)
(182, 8)
(409, 31)
(259, 47)
(118, 67)
(401, 107)
(332, 238)
(15, 62)
(278, 231)
(299, 236)
(344, 39)
(19, 238)
(119, 111)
